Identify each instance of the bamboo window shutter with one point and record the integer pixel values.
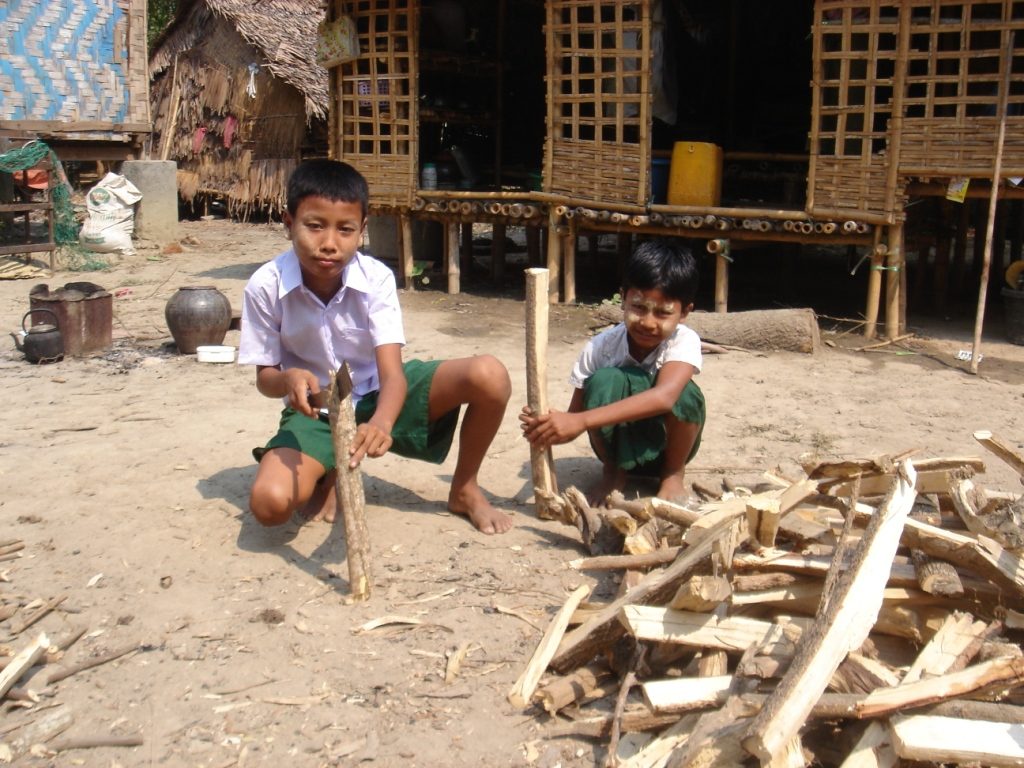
(599, 113)
(375, 95)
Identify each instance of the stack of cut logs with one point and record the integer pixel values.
(864, 614)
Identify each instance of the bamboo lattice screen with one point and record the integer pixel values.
(599, 119)
(909, 89)
(375, 98)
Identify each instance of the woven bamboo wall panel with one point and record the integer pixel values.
(375, 98)
(74, 60)
(855, 47)
(599, 95)
(943, 147)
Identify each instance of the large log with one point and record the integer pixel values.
(790, 330)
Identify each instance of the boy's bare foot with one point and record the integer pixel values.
(322, 504)
(673, 488)
(612, 479)
(470, 502)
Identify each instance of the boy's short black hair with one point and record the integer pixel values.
(665, 265)
(332, 179)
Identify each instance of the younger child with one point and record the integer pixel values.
(634, 393)
(323, 303)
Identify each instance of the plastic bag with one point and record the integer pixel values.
(111, 206)
(336, 42)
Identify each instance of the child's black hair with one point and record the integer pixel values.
(332, 179)
(665, 265)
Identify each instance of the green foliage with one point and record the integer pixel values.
(160, 14)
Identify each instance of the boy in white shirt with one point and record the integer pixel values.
(323, 303)
(634, 392)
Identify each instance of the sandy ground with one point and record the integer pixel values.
(126, 477)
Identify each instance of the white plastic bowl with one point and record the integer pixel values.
(215, 354)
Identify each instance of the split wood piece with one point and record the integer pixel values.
(601, 530)
(94, 742)
(699, 630)
(626, 562)
(826, 472)
(22, 661)
(522, 692)
(655, 753)
(651, 506)
(763, 520)
(948, 740)
(714, 512)
(862, 674)
(65, 672)
(636, 720)
(580, 645)
(41, 730)
(687, 693)
(1002, 449)
(348, 484)
(702, 594)
(573, 687)
(651, 536)
(873, 749)
(1001, 522)
(936, 577)
(545, 484)
(982, 555)
(791, 330)
(841, 628)
(39, 613)
(951, 648)
(716, 736)
(10, 547)
(932, 481)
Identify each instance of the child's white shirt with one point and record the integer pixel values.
(610, 349)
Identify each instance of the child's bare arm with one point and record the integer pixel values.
(554, 427)
(374, 437)
(294, 383)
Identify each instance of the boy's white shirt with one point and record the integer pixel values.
(610, 349)
(284, 323)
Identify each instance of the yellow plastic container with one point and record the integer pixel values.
(695, 175)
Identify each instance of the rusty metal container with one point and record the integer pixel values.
(85, 315)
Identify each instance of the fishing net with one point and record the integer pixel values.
(65, 225)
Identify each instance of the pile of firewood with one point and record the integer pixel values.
(864, 614)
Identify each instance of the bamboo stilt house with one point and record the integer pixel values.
(74, 74)
(238, 98)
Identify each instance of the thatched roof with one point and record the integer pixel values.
(284, 31)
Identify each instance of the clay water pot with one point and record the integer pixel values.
(197, 316)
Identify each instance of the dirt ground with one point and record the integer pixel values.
(126, 477)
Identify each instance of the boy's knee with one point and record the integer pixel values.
(270, 508)
(489, 375)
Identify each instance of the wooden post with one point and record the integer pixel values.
(545, 486)
(569, 263)
(348, 484)
(554, 256)
(451, 255)
(405, 247)
(894, 265)
(877, 256)
(1006, 65)
(721, 250)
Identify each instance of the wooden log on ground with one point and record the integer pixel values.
(48, 725)
(577, 686)
(792, 330)
(94, 742)
(522, 692)
(936, 577)
(839, 628)
(348, 484)
(545, 484)
(701, 594)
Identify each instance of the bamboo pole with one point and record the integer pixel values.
(348, 484)
(451, 256)
(545, 485)
(1006, 63)
(405, 247)
(569, 263)
(877, 257)
(894, 264)
(554, 256)
(721, 250)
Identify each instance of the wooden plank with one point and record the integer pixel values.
(698, 630)
(522, 691)
(840, 627)
(22, 661)
(952, 647)
(1002, 449)
(686, 693)
(51, 126)
(873, 749)
(948, 740)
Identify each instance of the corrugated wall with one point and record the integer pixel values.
(73, 61)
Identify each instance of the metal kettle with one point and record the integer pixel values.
(41, 343)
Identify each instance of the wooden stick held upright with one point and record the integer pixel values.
(348, 484)
(545, 486)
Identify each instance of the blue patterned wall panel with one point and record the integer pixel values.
(63, 60)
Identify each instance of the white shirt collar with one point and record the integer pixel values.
(354, 276)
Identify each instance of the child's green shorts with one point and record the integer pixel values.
(637, 446)
(412, 435)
